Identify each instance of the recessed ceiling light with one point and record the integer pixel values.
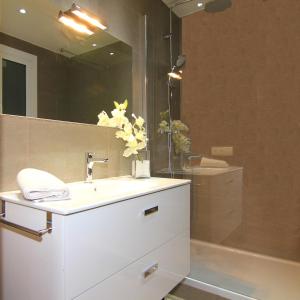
(22, 11)
(200, 4)
(94, 45)
(111, 53)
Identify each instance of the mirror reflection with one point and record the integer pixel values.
(51, 70)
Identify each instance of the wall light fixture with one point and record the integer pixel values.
(80, 20)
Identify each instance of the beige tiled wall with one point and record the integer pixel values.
(57, 147)
(241, 89)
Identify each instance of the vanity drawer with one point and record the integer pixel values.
(150, 278)
(102, 241)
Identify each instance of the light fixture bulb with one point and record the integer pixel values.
(111, 53)
(84, 16)
(94, 45)
(74, 25)
(200, 4)
(22, 11)
(174, 75)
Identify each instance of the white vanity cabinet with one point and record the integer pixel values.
(137, 248)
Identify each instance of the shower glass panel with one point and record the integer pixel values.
(240, 99)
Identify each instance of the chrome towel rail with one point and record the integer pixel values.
(37, 233)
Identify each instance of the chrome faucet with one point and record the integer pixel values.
(91, 159)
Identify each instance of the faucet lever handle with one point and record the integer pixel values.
(89, 156)
(94, 157)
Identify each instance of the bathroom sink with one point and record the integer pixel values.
(110, 187)
(85, 196)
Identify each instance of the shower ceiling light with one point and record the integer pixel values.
(177, 71)
(175, 75)
(76, 10)
(22, 11)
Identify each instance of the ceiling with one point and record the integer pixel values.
(40, 26)
(99, 58)
(185, 9)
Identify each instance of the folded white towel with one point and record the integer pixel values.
(37, 185)
(213, 163)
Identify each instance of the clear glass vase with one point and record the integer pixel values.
(141, 165)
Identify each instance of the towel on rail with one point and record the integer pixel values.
(213, 163)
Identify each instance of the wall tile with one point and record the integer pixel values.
(240, 87)
(14, 148)
(56, 147)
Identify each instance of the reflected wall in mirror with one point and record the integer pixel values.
(51, 71)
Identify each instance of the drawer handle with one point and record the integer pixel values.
(151, 211)
(37, 233)
(150, 270)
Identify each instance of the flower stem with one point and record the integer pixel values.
(139, 157)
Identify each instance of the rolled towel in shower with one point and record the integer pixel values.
(37, 185)
(213, 163)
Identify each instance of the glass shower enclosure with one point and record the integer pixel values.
(239, 96)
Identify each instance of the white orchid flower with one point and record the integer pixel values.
(128, 128)
(178, 129)
(119, 117)
(140, 122)
(140, 135)
(104, 119)
(133, 134)
(132, 142)
(141, 145)
(116, 113)
(121, 135)
(126, 133)
(129, 151)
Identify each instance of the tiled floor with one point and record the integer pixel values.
(184, 292)
(173, 297)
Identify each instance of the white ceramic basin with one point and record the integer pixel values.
(109, 187)
(100, 192)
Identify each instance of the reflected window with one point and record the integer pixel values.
(18, 82)
(13, 88)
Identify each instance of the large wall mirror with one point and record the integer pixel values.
(49, 70)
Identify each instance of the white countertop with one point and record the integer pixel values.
(101, 192)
